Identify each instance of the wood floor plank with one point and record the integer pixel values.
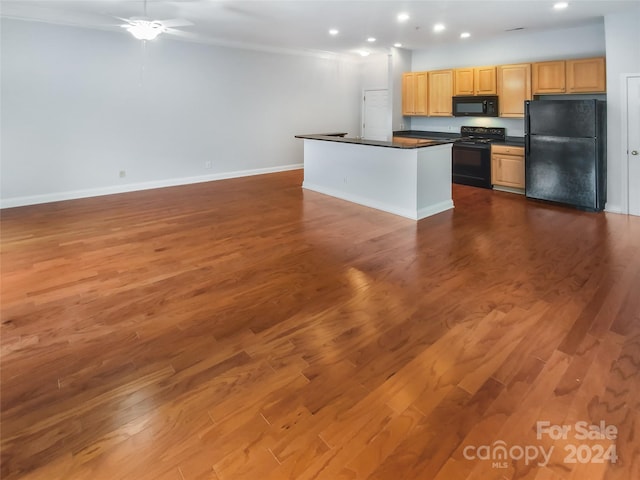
(247, 328)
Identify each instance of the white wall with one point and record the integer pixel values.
(400, 63)
(77, 109)
(514, 47)
(375, 72)
(623, 57)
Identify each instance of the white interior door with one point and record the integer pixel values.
(633, 143)
(375, 122)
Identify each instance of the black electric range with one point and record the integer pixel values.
(471, 155)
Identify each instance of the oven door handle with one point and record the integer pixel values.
(475, 146)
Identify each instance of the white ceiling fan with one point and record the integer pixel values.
(145, 28)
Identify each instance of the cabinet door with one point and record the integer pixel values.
(514, 87)
(549, 77)
(586, 75)
(507, 170)
(421, 90)
(408, 94)
(414, 93)
(440, 93)
(464, 81)
(485, 80)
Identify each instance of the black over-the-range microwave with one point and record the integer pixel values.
(480, 106)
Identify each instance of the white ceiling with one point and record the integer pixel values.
(304, 24)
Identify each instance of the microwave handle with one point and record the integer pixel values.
(484, 106)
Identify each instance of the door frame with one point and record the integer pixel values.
(624, 123)
(363, 106)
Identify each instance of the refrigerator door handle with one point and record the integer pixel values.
(527, 127)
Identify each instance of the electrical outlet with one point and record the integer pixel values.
(208, 164)
(123, 173)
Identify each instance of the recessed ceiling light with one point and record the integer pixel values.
(561, 5)
(397, 45)
(465, 35)
(333, 31)
(371, 39)
(364, 53)
(403, 17)
(438, 27)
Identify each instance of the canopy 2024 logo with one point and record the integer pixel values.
(501, 454)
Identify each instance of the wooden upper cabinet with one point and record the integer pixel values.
(514, 87)
(464, 81)
(583, 75)
(440, 93)
(414, 93)
(475, 81)
(548, 77)
(408, 94)
(586, 75)
(485, 80)
(421, 89)
(429, 93)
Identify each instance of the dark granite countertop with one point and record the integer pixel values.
(423, 139)
(512, 141)
(337, 137)
(425, 134)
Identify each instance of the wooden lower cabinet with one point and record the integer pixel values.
(507, 166)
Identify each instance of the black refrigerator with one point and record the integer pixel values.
(566, 152)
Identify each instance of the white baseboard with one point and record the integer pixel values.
(615, 209)
(134, 187)
(433, 209)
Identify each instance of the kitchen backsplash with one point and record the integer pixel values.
(514, 126)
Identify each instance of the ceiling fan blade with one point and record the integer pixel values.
(182, 34)
(125, 21)
(176, 22)
(244, 12)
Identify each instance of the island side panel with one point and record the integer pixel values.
(434, 180)
(378, 177)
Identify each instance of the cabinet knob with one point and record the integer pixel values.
(634, 152)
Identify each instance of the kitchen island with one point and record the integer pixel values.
(412, 180)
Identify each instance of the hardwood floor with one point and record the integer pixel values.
(247, 329)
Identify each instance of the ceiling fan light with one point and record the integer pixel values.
(145, 30)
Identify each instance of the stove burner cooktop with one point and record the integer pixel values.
(482, 135)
